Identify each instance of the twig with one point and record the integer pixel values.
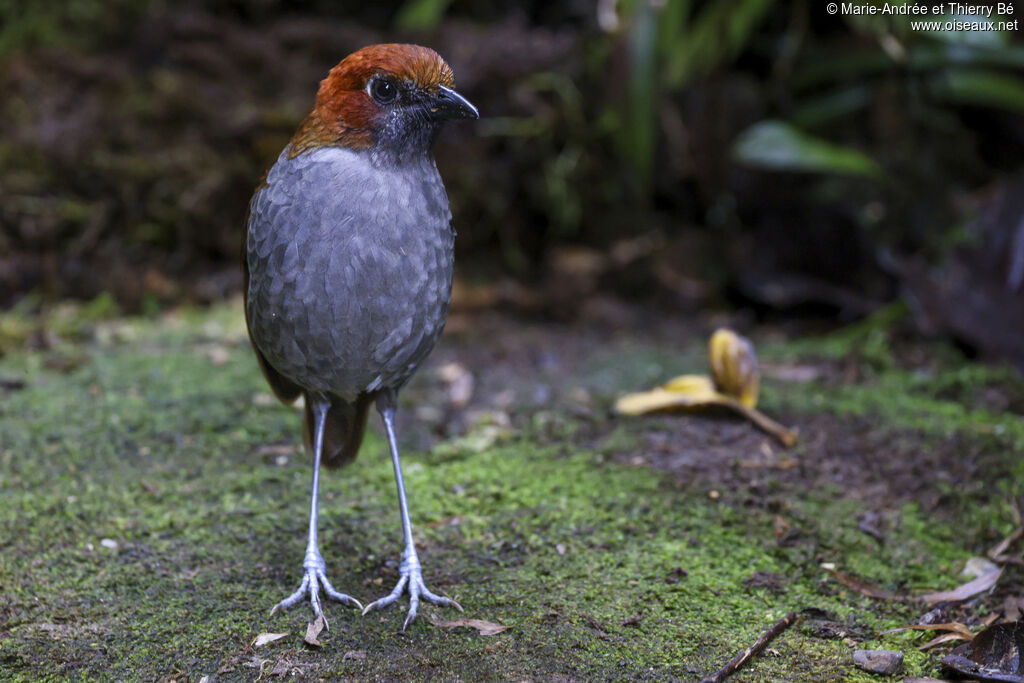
(740, 660)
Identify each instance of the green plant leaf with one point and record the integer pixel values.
(778, 145)
(421, 15)
(715, 36)
(979, 87)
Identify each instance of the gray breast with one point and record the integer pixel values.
(350, 269)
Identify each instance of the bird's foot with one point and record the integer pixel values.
(411, 579)
(313, 579)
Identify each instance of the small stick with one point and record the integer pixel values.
(740, 660)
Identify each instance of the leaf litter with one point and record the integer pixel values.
(313, 630)
(485, 628)
(265, 638)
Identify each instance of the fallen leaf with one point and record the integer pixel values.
(313, 631)
(953, 626)
(459, 383)
(264, 638)
(486, 628)
(681, 392)
(862, 587)
(944, 638)
(734, 368)
(781, 525)
(218, 355)
(1005, 544)
(733, 384)
(281, 668)
(964, 591)
(993, 655)
(697, 391)
(1011, 608)
(978, 566)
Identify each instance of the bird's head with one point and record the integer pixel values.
(390, 99)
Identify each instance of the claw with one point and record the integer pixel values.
(413, 578)
(313, 579)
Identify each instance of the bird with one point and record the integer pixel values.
(348, 261)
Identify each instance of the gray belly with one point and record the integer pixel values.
(348, 291)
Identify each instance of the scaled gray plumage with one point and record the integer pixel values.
(350, 269)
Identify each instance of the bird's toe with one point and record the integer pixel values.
(313, 580)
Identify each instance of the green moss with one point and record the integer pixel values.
(157, 443)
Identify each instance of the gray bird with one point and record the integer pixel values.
(348, 261)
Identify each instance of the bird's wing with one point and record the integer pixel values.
(284, 388)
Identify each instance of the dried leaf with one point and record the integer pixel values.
(264, 638)
(1005, 544)
(218, 355)
(1011, 608)
(313, 631)
(486, 628)
(697, 391)
(978, 566)
(459, 382)
(681, 392)
(734, 383)
(953, 626)
(964, 591)
(862, 587)
(993, 655)
(944, 638)
(281, 668)
(734, 367)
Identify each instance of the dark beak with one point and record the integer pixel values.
(448, 104)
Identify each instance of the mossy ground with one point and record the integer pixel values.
(611, 549)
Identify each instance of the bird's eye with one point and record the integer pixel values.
(383, 91)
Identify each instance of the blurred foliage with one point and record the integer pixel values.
(772, 150)
(781, 146)
(77, 24)
(421, 15)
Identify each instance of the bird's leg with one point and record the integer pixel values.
(410, 572)
(313, 566)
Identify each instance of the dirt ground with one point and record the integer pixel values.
(155, 496)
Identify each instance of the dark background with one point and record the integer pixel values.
(749, 155)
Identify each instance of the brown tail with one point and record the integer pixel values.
(343, 431)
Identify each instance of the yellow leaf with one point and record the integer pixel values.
(692, 385)
(735, 386)
(660, 398)
(734, 367)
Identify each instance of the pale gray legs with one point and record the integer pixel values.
(410, 574)
(313, 566)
